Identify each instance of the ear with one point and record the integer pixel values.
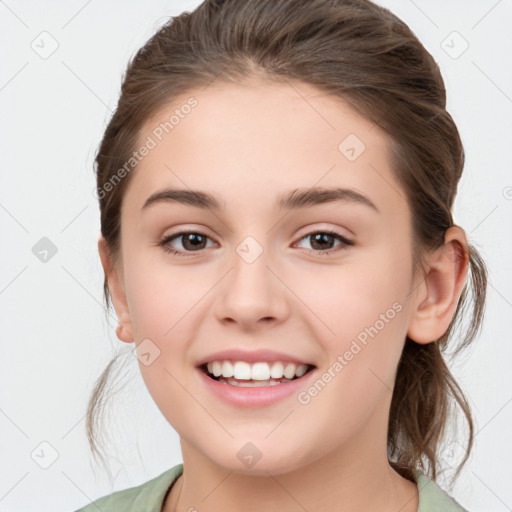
(437, 296)
(116, 287)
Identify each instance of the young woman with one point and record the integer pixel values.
(276, 190)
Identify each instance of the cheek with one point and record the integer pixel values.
(160, 296)
(166, 304)
(360, 312)
(350, 297)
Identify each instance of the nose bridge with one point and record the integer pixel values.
(251, 291)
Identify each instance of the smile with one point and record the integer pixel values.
(257, 374)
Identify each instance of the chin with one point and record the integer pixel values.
(274, 464)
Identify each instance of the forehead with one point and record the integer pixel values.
(260, 140)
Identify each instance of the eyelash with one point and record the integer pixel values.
(165, 241)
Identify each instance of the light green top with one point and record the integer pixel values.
(150, 496)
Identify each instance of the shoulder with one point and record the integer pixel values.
(432, 498)
(147, 497)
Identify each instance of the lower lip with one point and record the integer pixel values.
(254, 396)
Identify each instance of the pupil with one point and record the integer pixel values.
(194, 239)
(319, 237)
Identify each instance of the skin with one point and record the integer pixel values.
(248, 144)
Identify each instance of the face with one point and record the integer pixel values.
(264, 274)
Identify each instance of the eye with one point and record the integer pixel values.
(321, 241)
(190, 241)
(193, 241)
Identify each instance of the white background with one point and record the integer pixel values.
(54, 337)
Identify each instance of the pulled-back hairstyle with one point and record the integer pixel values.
(365, 55)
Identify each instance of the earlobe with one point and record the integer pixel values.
(124, 330)
(123, 334)
(438, 295)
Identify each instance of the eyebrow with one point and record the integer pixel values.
(297, 198)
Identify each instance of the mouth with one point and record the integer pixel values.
(257, 374)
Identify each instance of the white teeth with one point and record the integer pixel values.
(242, 370)
(227, 369)
(289, 371)
(260, 371)
(276, 371)
(217, 368)
(301, 370)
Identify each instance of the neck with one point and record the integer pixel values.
(329, 483)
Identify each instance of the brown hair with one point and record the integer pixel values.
(363, 54)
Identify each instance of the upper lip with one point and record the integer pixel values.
(251, 356)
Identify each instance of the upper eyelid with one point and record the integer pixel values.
(334, 231)
(178, 234)
(201, 230)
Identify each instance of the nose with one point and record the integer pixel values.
(252, 295)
